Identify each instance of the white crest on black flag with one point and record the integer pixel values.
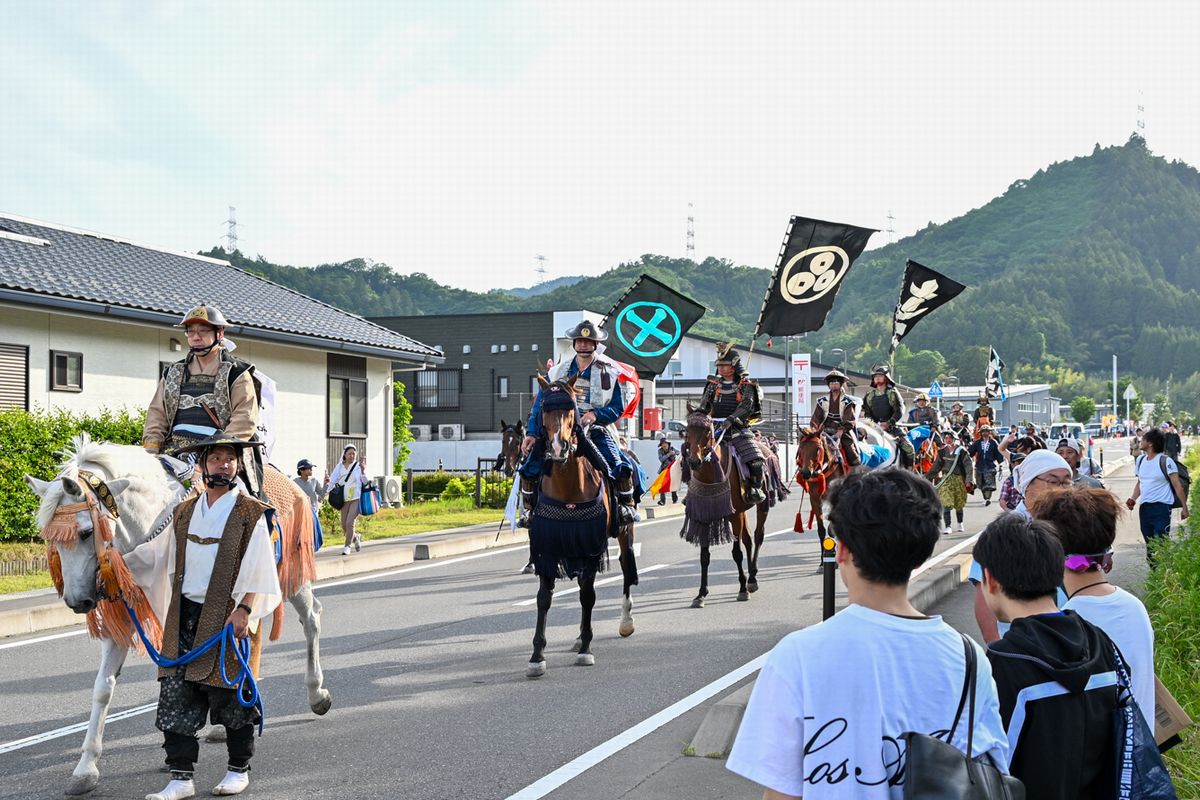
(923, 290)
(814, 260)
(995, 377)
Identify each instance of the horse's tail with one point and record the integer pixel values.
(297, 563)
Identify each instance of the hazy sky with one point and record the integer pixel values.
(462, 138)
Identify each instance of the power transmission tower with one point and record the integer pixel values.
(891, 228)
(231, 236)
(541, 268)
(1141, 116)
(691, 234)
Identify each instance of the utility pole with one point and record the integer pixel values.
(1114, 405)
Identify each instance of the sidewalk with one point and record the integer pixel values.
(40, 610)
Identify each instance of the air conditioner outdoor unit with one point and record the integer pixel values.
(421, 433)
(450, 432)
(391, 490)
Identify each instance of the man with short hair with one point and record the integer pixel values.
(1158, 486)
(1172, 444)
(1055, 671)
(807, 734)
(1071, 449)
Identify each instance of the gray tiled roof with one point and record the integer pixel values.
(94, 268)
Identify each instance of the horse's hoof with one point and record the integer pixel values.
(585, 660)
(216, 734)
(81, 784)
(527, 569)
(626, 629)
(698, 602)
(322, 706)
(743, 596)
(752, 586)
(536, 669)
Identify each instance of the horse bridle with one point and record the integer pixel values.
(710, 448)
(572, 440)
(95, 493)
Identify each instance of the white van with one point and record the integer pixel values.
(1065, 430)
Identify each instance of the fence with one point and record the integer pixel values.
(24, 566)
(492, 486)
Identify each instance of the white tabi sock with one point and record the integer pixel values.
(175, 790)
(232, 783)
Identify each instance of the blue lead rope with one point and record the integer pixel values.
(244, 685)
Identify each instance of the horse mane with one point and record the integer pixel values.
(112, 460)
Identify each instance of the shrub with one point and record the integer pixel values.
(456, 488)
(32, 442)
(431, 485)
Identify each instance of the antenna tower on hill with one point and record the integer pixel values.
(691, 234)
(231, 236)
(891, 228)
(1141, 116)
(541, 268)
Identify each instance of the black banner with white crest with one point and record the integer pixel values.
(647, 324)
(994, 382)
(923, 290)
(813, 262)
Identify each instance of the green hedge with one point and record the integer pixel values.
(432, 485)
(1172, 597)
(32, 442)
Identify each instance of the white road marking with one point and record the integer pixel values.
(942, 556)
(573, 589)
(574, 768)
(51, 637)
(78, 727)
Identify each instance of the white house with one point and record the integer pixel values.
(86, 322)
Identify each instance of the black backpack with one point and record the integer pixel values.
(1185, 479)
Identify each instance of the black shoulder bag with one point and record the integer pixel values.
(337, 495)
(937, 770)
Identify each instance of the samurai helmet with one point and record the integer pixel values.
(983, 397)
(209, 315)
(922, 396)
(586, 330)
(727, 355)
(885, 371)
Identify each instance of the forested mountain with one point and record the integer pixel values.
(1089, 257)
(545, 286)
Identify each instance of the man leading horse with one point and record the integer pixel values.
(600, 402)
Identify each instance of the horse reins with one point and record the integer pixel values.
(63, 529)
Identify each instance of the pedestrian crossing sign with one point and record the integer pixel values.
(935, 390)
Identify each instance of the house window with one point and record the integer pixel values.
(437, 389)
(346, 410)
(14, 376)
(502, 387)
(66, 371)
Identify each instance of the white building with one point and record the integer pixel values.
(86, 323)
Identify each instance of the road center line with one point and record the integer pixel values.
(78, 727)
(573, 589)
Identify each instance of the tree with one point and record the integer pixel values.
(401, 435)
(1083, 409)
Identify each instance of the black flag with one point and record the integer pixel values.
(923, 291)
(646, 325)
(814, 259)
(995, 376)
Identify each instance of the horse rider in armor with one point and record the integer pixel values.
(923, 413)
(984, 414)
(206, 392)
(731, 398)
(834, 415)
(883, 406)
(599, 400)
(958, 419)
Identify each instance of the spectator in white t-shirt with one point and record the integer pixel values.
(1085, 522)
(1158, 487)
(829, 707)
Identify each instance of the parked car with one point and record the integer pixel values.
(676, 428)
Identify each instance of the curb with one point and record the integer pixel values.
(719, 728)
(468, 544)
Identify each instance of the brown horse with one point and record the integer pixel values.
(715, 510)
(816, 465)
(569, 530)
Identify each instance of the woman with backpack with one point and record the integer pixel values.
(1160, 487)
(350, 476)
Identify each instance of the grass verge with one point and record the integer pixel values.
(12, 551)
(417, 518)
(1172, 597)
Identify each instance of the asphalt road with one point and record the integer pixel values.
(426, 666)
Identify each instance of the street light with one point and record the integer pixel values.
(843, 352)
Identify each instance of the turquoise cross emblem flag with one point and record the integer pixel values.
(639, 323)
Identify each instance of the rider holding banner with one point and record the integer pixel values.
(601, 402)
(732, 398)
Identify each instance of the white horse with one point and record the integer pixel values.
(877, 438)
(145, 497)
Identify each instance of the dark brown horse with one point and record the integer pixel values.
(569, 530)
(715, 510)
(510, 447)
